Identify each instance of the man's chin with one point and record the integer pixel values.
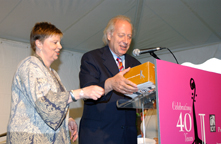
(124, 51)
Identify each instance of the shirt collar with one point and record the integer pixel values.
(115, 56)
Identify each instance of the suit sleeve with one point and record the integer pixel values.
(90, 74)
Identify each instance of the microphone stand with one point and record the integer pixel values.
(154, 55)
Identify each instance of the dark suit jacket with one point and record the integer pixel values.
(102, 122)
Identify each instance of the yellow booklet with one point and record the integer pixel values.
(144, 76)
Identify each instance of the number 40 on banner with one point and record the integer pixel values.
(186, 124)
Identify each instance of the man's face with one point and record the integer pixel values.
(120, 38)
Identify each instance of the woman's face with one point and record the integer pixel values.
(50, 49)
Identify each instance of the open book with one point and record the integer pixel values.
(144, 76)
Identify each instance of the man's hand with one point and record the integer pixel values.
(120, 84)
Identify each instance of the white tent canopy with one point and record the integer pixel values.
(175, 24)
(191, 29)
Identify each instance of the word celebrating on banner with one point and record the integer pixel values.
(179, 106)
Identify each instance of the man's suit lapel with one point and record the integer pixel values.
(109, 62)
(127, 62)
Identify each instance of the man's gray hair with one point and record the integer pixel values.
(111, 24)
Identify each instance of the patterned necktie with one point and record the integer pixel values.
(120, 64)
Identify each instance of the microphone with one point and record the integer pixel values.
(137, 52)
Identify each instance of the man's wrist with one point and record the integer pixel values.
(108, 85)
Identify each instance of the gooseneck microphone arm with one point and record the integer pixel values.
(154, 55)
(173, 55)
(137, 52)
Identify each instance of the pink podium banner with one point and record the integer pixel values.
(189, 104)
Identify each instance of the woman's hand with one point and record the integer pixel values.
(73, 128)
(92, 92)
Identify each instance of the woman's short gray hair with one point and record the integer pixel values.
(111, 24)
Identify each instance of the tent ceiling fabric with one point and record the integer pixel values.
(174, 24)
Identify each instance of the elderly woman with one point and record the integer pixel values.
(40, 102)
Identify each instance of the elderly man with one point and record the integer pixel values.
(102, 122)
